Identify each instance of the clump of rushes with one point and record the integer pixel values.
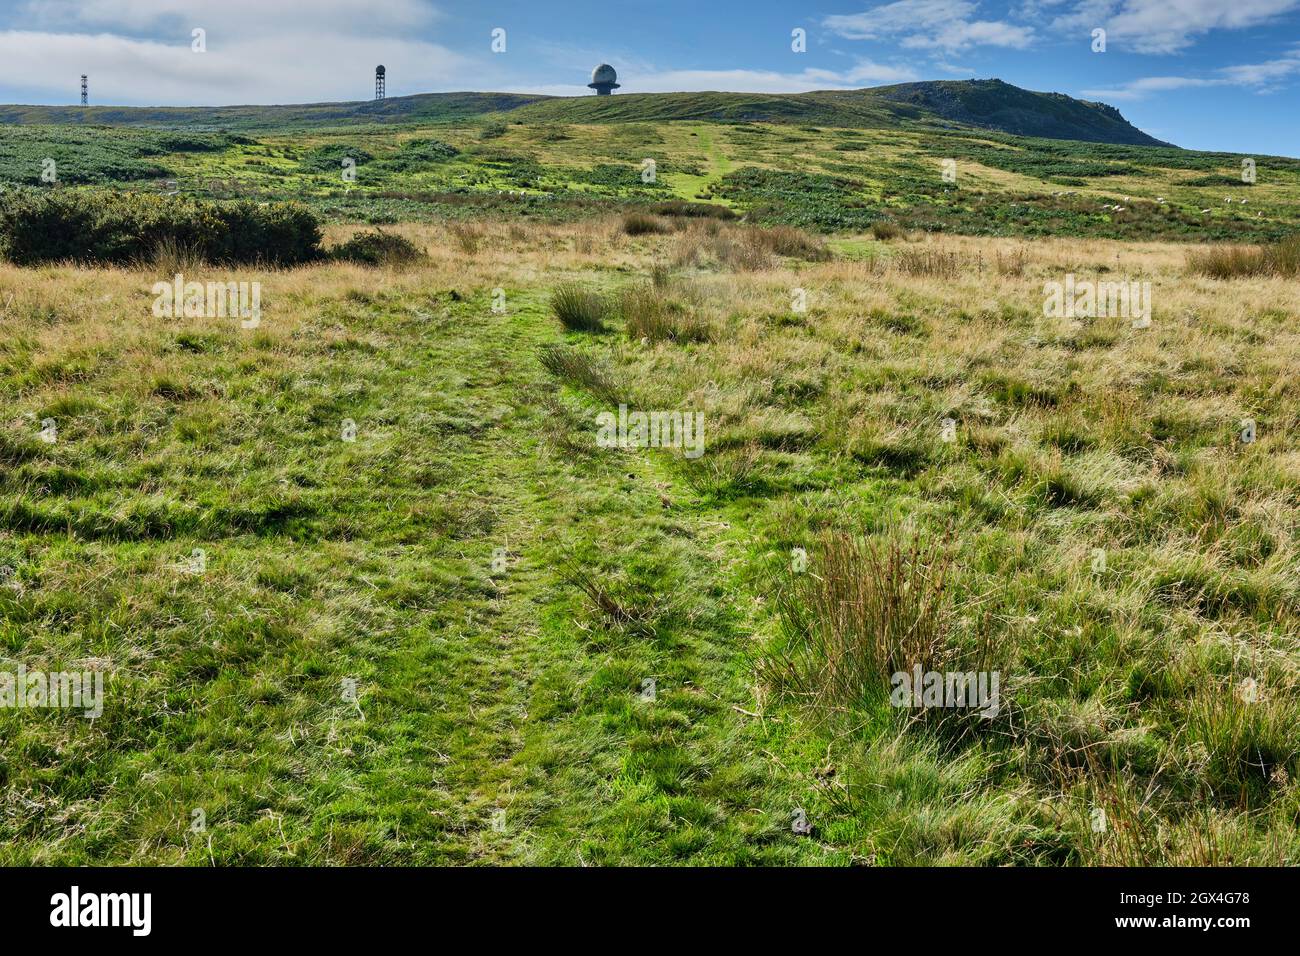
(579, 309)
(641, 224)
(581, 371)
(1231, 262)
(929, 262)
(466, 236)
(649, 314)
(790, 242)
(862, 611)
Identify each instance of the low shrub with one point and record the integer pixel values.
(418, 154)
(121, 228)
(691, 210)
(330, 158)
(278, 233)
(378, 248)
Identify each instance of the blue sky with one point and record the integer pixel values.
(1206, 74)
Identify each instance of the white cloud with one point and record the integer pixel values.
(250, 70)
(1266, 74)
(1169, 26)
(231, 18)
(138, 51)
(962, 35)
(899, 17)
(1259, 77)
(258, 51)
(930, 25)
(1144, 87)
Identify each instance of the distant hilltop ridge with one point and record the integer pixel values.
(993, 104)
(978, 104)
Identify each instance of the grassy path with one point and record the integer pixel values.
(698, 138)
(546, 731)
(347, 678)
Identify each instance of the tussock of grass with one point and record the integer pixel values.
(725, 472)
(740, 254)
(789, 241)
(641, 224)
(1232, 262)
(1010, 263)
(174, 257)
(582, 371)
(620, 605)
(747, 248)
(1248, 738)
(935, 263)
(579, 309)
(648, 313)
(466, 236)
(862, 611)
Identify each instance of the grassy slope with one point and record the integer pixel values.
(1071, 437)
(992, 104)
(427, 107)
(483, 690)
(989, 104)
(329, 560)
(823, 178)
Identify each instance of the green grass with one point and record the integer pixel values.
(479, 689)
(567, 165)
(503, 591)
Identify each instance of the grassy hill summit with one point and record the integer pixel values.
(993, 104)
(981, 104)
